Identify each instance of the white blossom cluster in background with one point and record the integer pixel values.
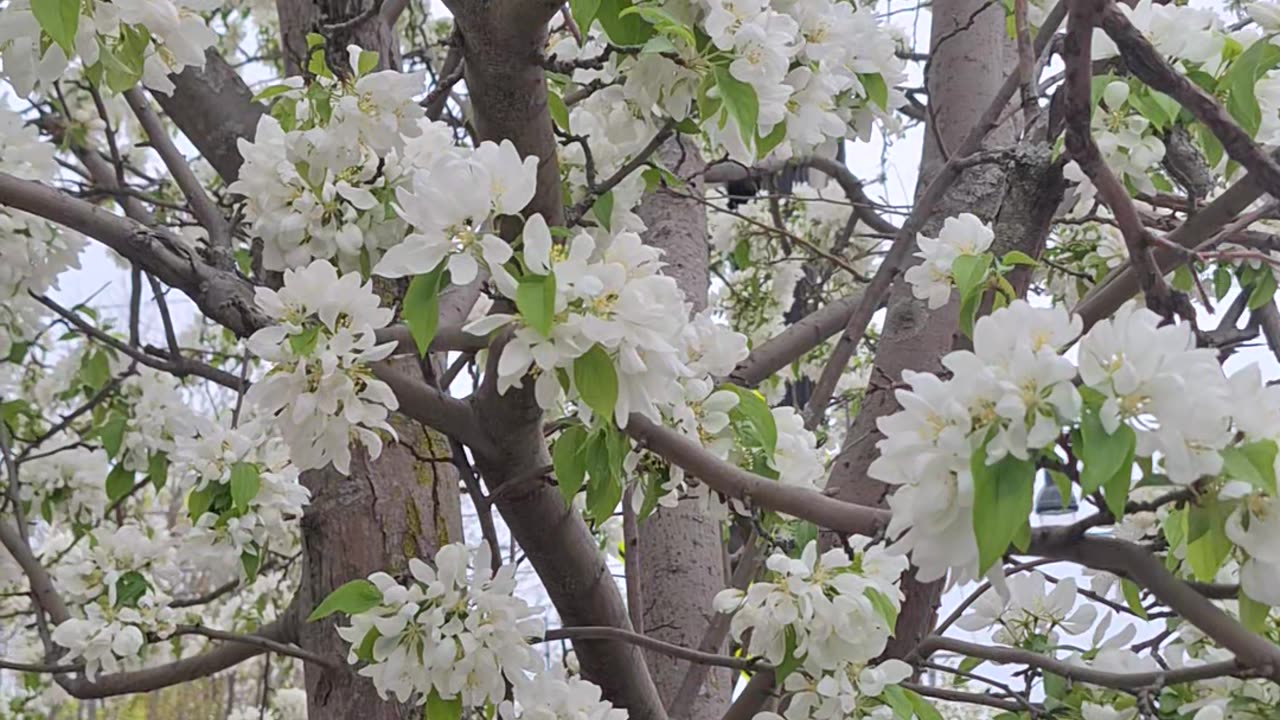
(830, 615)
(35, 251)
(1013, 395)
(105, 577)
(226, 457)
(821, 71)
(456, 632)
(320, 388)
(148, 38)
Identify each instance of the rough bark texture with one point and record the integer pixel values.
(300, 17)
(968, 64)
(681, 551)
(214, 108)
(404, 504)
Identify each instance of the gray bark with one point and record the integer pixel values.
(214, 108)
(681, 553)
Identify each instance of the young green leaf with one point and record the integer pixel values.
(753, 411)
(158, 469)
(923, 708)
(130, 587)
(1017, 257)
(584, 13)
(438, 708)
(602, 210)
(536, 301)
(1253, 614)
(970, 272)
(421, 309)
(119, 483)
(1001, 503)
(740, 101)
(559, 111)
(1253, 463)
(625, 30)
(884, 607)
(1132, 598)
(111, 432)
(1207, 542)
(1105, 455)
(304, 342)
(877, 90)
(349, 598)
(567, 457)
(59, 19)
(597, 381)
(95, 370)
(366, 63)
(245, 481)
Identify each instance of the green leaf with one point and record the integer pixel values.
(969, 313)
(970, 272)
(1183, 280)
(245, 481)
(1241, 79)
(130, 587)
(438, 708)
(59, 19)
(158, 469)
(366, 63)
(1002, 497)
(740, 101)
(251, 562)
(1263, 289)
(304, 342)
(1105, 455)
(1017, 257)
(1207, 543)
(559, 111)
(584, 13)
(753, 411)
(1221, 282)
(1253, 614)
(119, 483)
(1253, 463)
(536, 301)
(877, 90)
(270, 92)
(766, 143)
(625, 30)
(1132, 598)
(897, 699)
(95, 370)
(364, 652)
(597, 381)
(421, 309)
(349, 598)
(884, 607)
(603, 210)
(199, 502)
(567, 457)
(790, 663)
(923, 708)
(112, 433)
(969, 663)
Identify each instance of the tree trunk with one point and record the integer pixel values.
(969, 52)
(404, 504)
(681, 550)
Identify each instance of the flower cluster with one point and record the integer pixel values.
(931, 279)
(831, 615)
(1127, 141)
(35, 252)
(1029, 616)
(321, 385)
(247, 488)
(105, 578)
(552, 695)
(817, 71)
(321, 173)
(145, 39)
(455, 631)
(609, 300)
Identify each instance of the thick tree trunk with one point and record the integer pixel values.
(969, 60)
(681, 552)
(404, 504)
